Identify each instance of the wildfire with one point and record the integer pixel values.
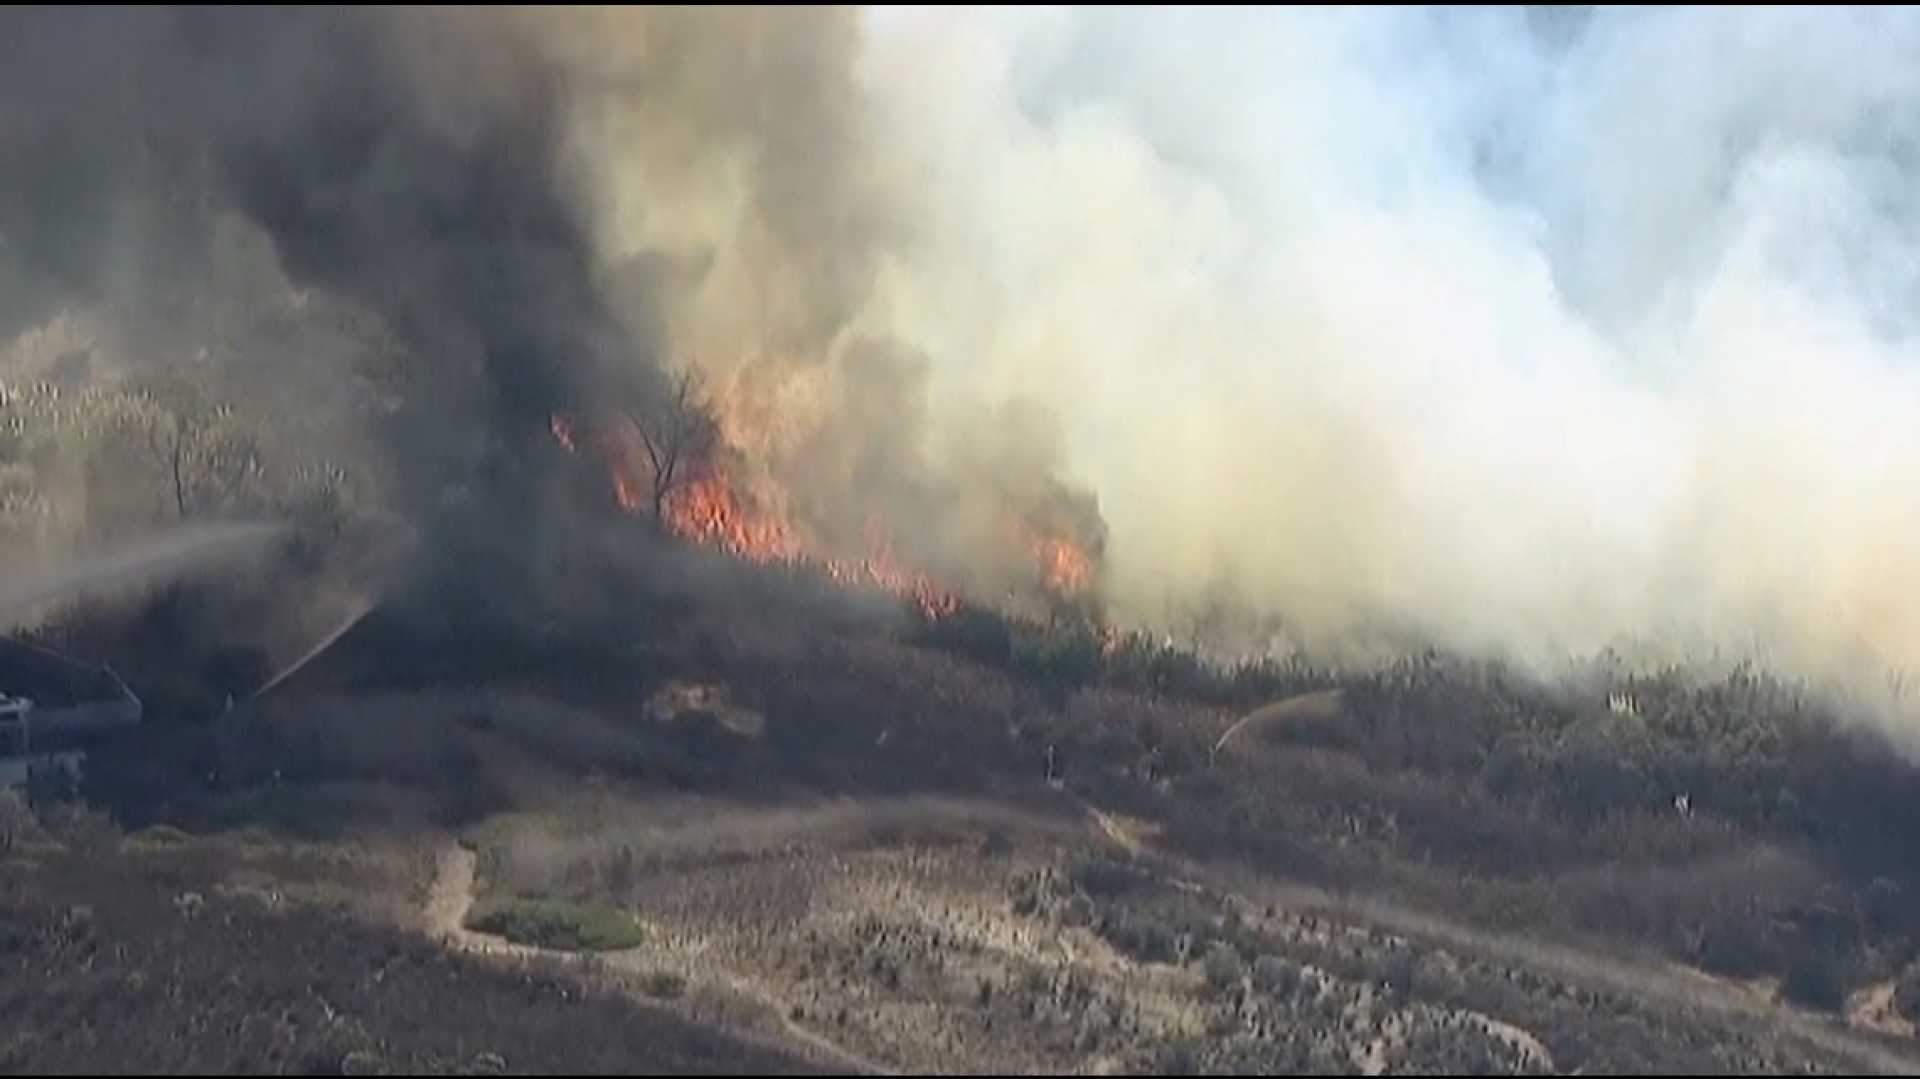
(881, 570)
(1065, 567)
(707, 508)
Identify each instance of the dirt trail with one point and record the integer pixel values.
(450, 898)
(1669, 984)
(1520, 1039)
(1679, 986)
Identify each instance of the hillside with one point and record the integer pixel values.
(770, 838)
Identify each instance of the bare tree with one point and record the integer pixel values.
(206, 456)
(677, 431)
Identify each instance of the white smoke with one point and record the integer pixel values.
(1531, 332)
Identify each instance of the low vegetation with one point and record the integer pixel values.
(1737, 823)
(1731, 823)
(150, 959)
(558, 925)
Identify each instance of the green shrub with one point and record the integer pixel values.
(558, 925)
(1223, 967)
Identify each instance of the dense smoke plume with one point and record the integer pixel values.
(473, 178)
(1521, 332)
(1529, 332)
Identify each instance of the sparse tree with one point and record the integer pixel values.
(207, 461)
(677, 431)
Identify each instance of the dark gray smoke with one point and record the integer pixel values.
(415, 164)
(411, 161)
(539, 205)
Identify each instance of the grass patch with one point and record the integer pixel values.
(558, 925)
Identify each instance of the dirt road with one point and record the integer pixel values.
(1669, 984)
(450, 898)
(1672, 984)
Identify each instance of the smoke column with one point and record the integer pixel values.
(1521, 332)
(1530, 332)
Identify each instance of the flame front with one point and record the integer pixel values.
(706, 510)
(705, 506)
(881, 570)
(1066, 570)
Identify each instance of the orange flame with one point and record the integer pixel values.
(1065, 567)
(881, 570)
(707, 509)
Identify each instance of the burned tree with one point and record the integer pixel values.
(677, 432)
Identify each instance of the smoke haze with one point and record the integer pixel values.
(1529, 332)
(1526, 333)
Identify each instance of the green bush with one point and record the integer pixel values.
(1223, 967)
(558, 925)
